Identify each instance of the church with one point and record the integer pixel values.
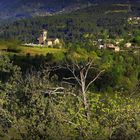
(44, 40)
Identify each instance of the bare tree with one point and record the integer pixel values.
(80, 73)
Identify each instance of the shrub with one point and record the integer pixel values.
(13, 46)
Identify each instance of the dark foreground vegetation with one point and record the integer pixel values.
(87, 95)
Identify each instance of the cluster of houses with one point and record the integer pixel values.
(134, 20)
(110, 46)
(113, 47)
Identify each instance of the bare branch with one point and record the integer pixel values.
(69, 78)
(72, 70)
(65, 82)
(97, 76)
(88, 68)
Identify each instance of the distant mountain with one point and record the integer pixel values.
(73, 26)
(28, 8)
(15, 9)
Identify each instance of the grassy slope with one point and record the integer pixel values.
(32, 50)
(40, 50)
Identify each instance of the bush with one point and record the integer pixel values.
(13, 46)
(32, 108)
(137, 40)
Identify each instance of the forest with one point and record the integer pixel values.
(84, 95)
(71, 27)
(78, 92)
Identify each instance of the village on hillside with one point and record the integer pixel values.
(116, 46)
(110, 44)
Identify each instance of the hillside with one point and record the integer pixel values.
(30, 8)
(18, 9)
(73, 26)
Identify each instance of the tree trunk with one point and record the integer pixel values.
(86, 105)
(83, 86)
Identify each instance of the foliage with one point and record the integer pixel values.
(7, 69)
(32, 109)
(13, 46)
(137, 39)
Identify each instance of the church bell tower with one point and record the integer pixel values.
(45, 32)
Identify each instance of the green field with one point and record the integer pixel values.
(40, 50)
(23, 50)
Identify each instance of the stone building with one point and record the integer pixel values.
(43, 37)
(44, 40)
(128, 45)
(113, 47)
(52, 41)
